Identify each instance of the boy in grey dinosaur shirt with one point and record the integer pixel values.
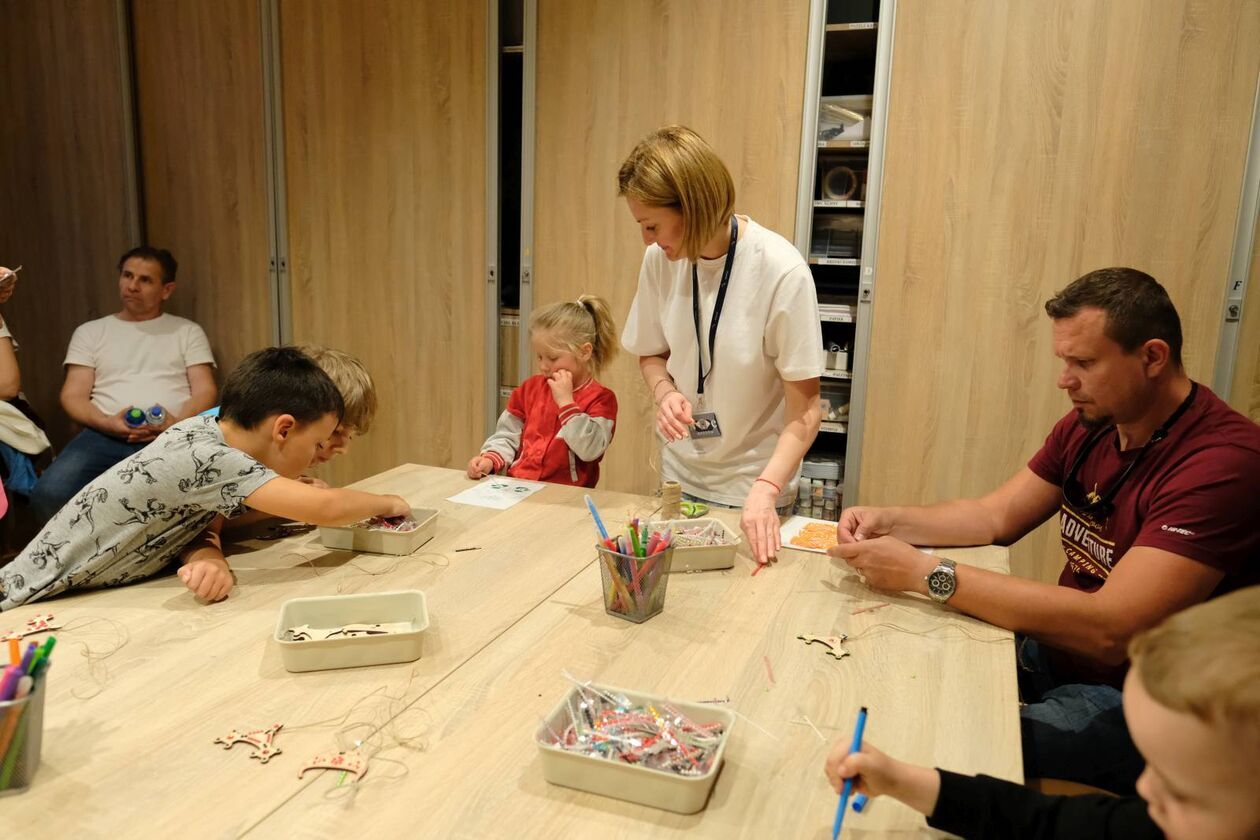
(167, 502)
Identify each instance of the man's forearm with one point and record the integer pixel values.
(957, 522)
(192, 407)
(83, 412)
(1062, 617)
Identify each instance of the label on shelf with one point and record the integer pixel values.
(832, 261)
(837, 428)
(837, 374)
(835, 202)
(844, 144)
(835, 315)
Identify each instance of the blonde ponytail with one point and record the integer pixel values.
(574, 323)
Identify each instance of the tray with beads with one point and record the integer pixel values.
(638, 747)
(699, 544)
(382, 536)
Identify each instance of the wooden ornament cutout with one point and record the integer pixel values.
(38, 623)
(833, 644)
(262, 740)
(351, 761)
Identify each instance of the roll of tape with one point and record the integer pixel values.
(839, 183)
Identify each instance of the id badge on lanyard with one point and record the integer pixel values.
(706, 422)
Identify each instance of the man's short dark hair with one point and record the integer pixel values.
(1138, 309)
(161, 256)
(278, 380)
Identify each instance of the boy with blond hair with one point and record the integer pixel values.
(1192, 703)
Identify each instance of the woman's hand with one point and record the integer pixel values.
(673, 416)
(760, 522)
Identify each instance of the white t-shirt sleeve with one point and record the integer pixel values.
(85, 345)
(644, 334)
(196, 346)
(793, 334)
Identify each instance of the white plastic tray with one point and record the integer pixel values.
(642, 785)
(369, 541)
(700, 558)
(405, 606)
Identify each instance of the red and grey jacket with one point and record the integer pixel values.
(538, 440)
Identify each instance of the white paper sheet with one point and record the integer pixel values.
(496, 492)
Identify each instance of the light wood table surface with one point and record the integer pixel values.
(128, 739)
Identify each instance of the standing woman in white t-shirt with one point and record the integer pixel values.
(734, 378)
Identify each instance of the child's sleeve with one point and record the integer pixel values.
(589, 432)
(501, 447)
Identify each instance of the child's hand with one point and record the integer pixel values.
(877, 775)
(317, 483)
(206, 578)
(561, 384)
(395, 506)
(480, 466)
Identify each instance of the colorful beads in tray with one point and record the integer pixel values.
(657, 737)
(692, 536)
(397, 524)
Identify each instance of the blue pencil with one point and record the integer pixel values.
(599, 523)
(848, 783)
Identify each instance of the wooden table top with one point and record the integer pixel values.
(128, 746)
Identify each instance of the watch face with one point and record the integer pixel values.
(940, 584)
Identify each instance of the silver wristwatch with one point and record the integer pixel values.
(942, 581)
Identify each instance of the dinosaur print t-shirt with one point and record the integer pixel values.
(137, 516)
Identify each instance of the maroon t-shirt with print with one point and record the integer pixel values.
(1195, 494)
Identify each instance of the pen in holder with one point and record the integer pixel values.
(634, 587)
(21, 734)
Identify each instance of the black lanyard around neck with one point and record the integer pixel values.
(717, 308)
(1093, 503)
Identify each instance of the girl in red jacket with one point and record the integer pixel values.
(558, 424)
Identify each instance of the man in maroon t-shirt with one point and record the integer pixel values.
(1157, 486)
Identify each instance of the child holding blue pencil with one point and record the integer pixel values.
(559, 423)
(1192, 704)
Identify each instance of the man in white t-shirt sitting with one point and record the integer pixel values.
(138, 358)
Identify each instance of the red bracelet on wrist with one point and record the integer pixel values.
(776, 487)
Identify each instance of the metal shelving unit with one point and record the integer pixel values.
(838, 202)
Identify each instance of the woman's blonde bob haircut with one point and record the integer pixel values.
(673, 167)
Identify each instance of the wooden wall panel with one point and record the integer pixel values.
(199, 99)
(64, 214)
(1027, 144)
(1244, 396)
(608, 73)
(384, 108)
